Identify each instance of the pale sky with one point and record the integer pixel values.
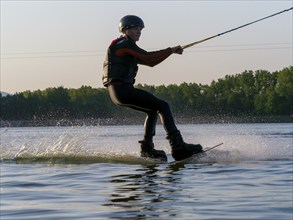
(63, 43)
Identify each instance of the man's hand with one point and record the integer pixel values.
(177, 49)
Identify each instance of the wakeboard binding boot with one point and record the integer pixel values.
(180, 149)
(148, 151)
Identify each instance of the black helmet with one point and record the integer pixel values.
(130, 21)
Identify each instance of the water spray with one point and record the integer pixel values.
(234, 29)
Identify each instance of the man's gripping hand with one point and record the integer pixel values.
(177, 49)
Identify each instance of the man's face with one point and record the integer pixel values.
(134, 33)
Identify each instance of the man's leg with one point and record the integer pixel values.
(150, 125)
(127, 95)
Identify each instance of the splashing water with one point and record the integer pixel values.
(98, 144)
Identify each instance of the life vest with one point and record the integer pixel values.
(120, 68)
(122, 58)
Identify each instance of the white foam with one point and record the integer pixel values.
(241, 143)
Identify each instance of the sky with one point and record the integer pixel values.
(63, 43)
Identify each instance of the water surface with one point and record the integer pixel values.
(96, 173)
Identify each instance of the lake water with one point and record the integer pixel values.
(96, 173)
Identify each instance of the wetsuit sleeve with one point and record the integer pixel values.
(145, 58)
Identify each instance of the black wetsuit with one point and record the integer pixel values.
(120, 68)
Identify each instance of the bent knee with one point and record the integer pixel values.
(164, 106)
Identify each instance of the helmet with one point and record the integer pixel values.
(130, 21)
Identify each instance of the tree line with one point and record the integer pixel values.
(257, 93)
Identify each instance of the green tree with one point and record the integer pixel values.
(260, 93)
(284, 89)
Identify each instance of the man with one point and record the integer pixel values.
(120, 69)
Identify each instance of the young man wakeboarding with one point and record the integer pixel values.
(120, 69)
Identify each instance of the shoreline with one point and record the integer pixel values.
(140, 121)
